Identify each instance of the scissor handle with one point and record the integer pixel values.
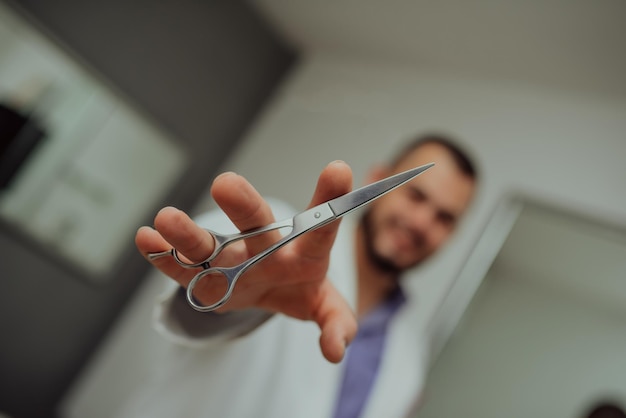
(310, 219)
(220, 242)
(230, 276)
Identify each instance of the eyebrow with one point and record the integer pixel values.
(445, 213)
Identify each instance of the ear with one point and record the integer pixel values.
(378, 172)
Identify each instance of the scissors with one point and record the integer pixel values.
(301, 223)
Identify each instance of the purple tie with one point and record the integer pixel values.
(363, 358)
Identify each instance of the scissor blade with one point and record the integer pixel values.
(357, 198)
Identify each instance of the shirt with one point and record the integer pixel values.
(363, 357)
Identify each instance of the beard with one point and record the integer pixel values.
(383, 263)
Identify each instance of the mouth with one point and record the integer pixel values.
(403, 242)
(394, 245)
(405, 238)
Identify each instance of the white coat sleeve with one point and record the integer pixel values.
(177, 321)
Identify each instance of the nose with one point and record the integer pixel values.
(421, 218)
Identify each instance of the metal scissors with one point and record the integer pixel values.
(301, 223)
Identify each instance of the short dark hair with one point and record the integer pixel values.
(607, 409)
(460, 156)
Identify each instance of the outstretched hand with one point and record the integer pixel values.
(291, 281)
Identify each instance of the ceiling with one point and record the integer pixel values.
(566, 44)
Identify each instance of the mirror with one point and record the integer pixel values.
(81, 167)
(536, 323)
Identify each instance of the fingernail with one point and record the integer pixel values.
(168, 209)
(226, 174)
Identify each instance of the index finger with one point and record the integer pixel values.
(245, 207)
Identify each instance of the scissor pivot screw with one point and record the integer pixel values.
(317, 215)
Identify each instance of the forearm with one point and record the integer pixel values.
(178, 322)
(209, 324)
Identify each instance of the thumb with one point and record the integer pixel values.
(337, 323)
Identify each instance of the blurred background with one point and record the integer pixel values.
(111, 110)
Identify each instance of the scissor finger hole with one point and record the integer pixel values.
(180, 257)
(186, 262)
(210, 289)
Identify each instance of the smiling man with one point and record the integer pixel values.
(256, 357)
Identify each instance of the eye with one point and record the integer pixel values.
(446, 218)
(416, 195)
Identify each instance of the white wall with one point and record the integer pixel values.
(526, 349)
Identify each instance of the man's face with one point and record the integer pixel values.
(410, 223)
